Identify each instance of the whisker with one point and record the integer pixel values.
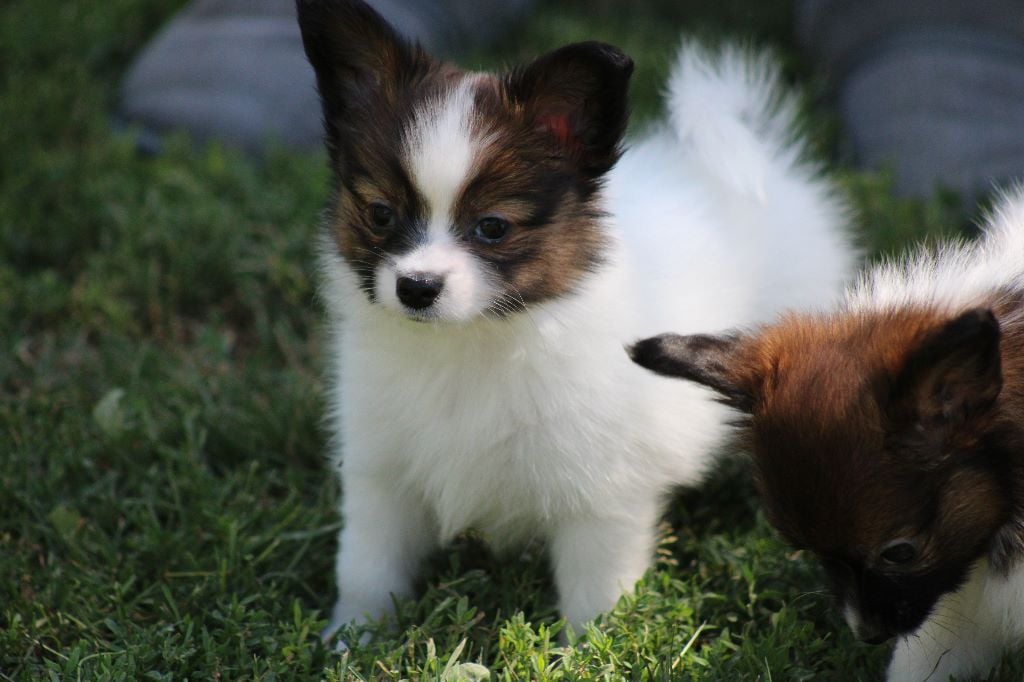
(935, 668)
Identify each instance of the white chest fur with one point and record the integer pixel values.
(508, 425)
(969, 631)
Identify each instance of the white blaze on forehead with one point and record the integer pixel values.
(441, 151)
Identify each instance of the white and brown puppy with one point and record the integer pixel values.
(888, 439)
(486, 254)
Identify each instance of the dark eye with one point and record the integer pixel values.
(382, 216)
(899, 553)
(491, 230)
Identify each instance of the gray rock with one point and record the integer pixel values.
(940, 110)
(930, 88)
(229, 70)
(235, 71)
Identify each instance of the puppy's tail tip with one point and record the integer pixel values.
(727, 105)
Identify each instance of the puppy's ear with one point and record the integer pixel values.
(579, 96)
(708, 360)
(357, 56)
(954, 374)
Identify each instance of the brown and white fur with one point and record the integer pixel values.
(888, 439)
(486, 254)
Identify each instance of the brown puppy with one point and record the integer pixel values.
(888, 439)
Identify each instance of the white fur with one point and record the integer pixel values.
(956, 276)
(969, 631)
(440, 150)
(972, 628)
(538, 426)
(467, 285)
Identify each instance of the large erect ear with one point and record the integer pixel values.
(707, 360)
(954, 374)
(579, 95)
(356, 55)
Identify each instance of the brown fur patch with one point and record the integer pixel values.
(523, 177)
(855, 447)
(370, 169)
(879, 431)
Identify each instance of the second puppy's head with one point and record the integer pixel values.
(462, 194)
(881, 444)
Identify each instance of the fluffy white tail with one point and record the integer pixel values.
(728, 106)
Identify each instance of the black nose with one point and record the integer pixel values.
(419, 291)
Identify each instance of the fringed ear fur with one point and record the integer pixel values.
(954, 375)
(357, 57)
(578, 94)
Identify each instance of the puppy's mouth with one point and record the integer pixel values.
(432, 316)
(865, 630)
(421, 316)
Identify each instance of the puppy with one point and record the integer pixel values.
(888, 439)
(485, 255)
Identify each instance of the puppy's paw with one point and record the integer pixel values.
(341, 643)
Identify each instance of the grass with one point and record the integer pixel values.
(166, 509)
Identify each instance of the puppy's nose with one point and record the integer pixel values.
(419, 291)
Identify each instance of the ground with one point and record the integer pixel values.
(166, 508)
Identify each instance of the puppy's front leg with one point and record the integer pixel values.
(386, 535)
(597, 560)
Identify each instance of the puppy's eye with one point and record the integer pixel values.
(899, 552)
(382, 216)
(491, 230)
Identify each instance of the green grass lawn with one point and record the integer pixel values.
(165, 507)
